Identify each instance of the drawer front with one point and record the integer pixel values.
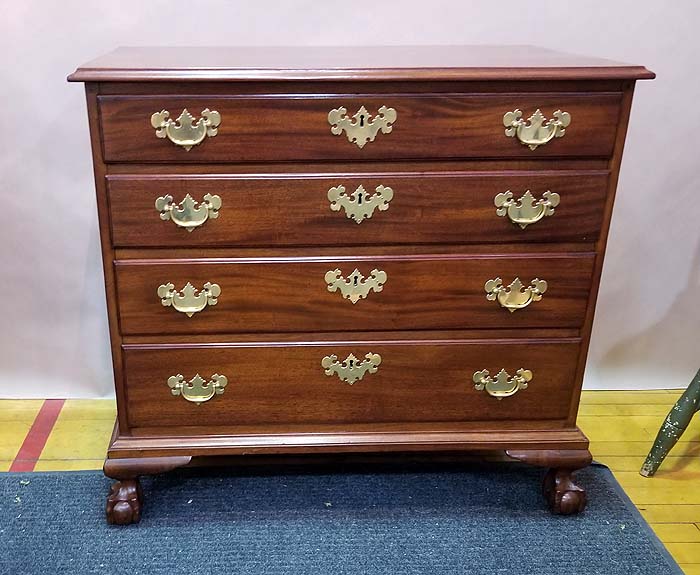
(355, 209)
(292, 294)
(423, 381)
(283, 128)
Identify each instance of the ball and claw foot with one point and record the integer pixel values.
(124, 502)
(562, 494)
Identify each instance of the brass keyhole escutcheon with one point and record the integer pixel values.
(351, 369)
(362, 127)
(359, 205)
(356, 286)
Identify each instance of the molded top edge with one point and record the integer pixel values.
(382, 63)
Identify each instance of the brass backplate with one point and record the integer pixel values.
(527, 210)
(537, 130)
(197, 390)
(360, 205)
(189, 301)
(185, 131)
(189, 214)
(351, 369)
(503, 385)
(516, 295)
(356, 286)
(362, 127)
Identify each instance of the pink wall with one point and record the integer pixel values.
(53, 334)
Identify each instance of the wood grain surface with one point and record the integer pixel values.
(294, 210)
(285, 128)
(415, 382)
(421, 292)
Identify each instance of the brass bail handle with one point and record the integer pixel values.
(197, 390)
(503, 385)
(526, 210)
(537, 130)
(186, 131)
(189, 300)
(189, 214)
(516, 296)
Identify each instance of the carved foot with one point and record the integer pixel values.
(125, 498)
(560, 491)
(562, 494)
(124, 502)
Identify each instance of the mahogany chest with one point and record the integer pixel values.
(345, 250)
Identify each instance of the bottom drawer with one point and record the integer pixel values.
(312, 383)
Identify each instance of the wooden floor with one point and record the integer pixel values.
(56, 435)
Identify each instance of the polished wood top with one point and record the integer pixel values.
(351, 63)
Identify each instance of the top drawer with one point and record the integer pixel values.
(285, 128)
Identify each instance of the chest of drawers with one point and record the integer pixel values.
(324, 251)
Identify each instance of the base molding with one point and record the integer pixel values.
(131, 468)
(129, 457)
(561, 458)
(156, 446)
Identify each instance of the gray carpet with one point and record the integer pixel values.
(447, 520)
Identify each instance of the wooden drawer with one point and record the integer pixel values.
(291, 294)
(283, 128)
(295, 209)
(416, 381)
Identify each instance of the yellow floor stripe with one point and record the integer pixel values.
(68, 464)
(628, 428)
(617, 410)
(602, 449)
(672, 463)
(631, 397)
(12, 434)
(72, 439)
(22, 410)
(670, 513)
(677, 532)
(82, 409)
(5, 464)
(656, 495)
(685, 552)
(664, 479)
(631, 428)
